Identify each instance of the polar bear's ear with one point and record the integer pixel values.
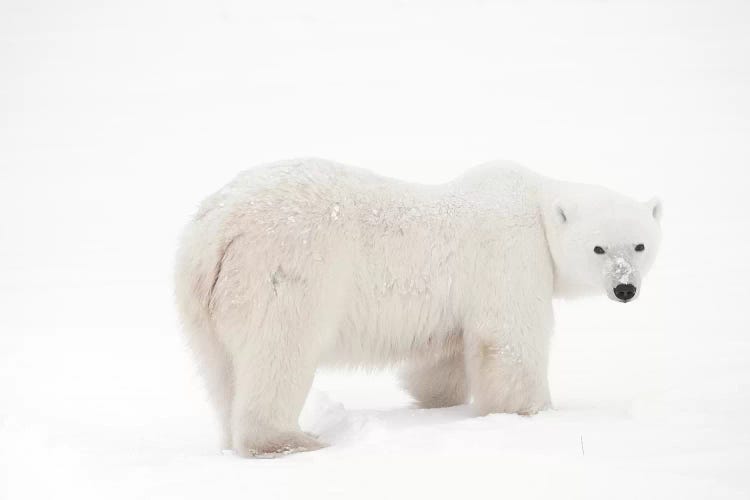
(654, 206)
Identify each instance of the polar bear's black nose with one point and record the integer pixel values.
(625, 292)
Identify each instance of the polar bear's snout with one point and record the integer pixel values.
(622, 276)
(624, 293)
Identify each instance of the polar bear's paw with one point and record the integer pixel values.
(279, 445)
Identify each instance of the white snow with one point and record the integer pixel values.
(620, 269)
(117, 118)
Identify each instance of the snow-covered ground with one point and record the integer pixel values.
(117, 117)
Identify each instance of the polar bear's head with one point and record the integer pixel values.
(601, 241)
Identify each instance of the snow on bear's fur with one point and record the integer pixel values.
(303, 263)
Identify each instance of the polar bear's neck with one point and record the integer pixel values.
(521, 193)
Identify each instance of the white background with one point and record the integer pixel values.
(116, 118)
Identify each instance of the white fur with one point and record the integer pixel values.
(309, 262)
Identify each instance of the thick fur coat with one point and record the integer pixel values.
(303, 263)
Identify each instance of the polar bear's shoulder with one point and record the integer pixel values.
(503, 186)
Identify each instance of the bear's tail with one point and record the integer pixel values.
(197, 269)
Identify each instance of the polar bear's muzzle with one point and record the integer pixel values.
(621, 278)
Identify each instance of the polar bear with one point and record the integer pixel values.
(303, 263)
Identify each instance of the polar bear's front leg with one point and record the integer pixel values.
(507, 366)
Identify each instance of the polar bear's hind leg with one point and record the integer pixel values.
(272, 380)
(273, 319)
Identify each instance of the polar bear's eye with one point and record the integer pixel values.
(640, 247)
(598, 250)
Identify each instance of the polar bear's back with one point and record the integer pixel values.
(318, 190)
